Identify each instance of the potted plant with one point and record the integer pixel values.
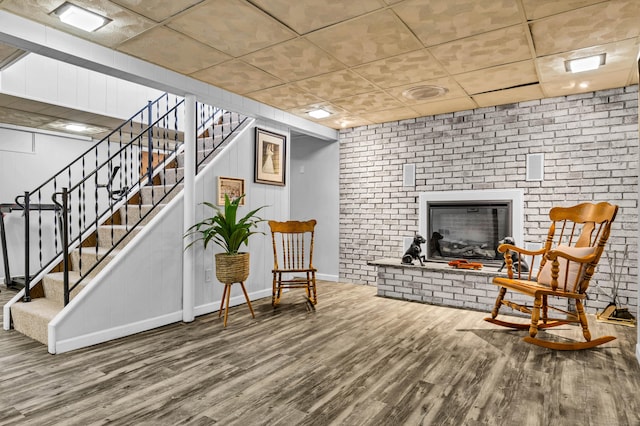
(230, 233)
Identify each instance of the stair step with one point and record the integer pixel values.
(151, 194)
(54, 286)
(130, 214)
(108, 234)
(32, 319)
(171, 175)
(89, 259)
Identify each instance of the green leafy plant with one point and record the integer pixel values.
(224, 229)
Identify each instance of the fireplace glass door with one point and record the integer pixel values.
(469, 230)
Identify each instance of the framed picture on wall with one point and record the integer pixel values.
(233, 187)
(270, 161)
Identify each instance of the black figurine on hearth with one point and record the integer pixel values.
(414, 251)
(434, 244)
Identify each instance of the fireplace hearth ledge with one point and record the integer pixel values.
(437, 284)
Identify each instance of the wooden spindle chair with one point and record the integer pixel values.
(575, 242)
(293, 258)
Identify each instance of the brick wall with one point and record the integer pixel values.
(590, 146)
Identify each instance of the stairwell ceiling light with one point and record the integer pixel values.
(80, 18)
(585, 64)
(75, 127)
(319, 113)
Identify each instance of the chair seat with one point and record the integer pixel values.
(533, 288)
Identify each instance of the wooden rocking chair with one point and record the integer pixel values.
(293, 259)
(574, 244)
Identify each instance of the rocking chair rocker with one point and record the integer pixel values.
(568, 260)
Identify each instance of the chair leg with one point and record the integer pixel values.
(246, 296)
(535, 316)
(496, 307)
(273, 291)
(315, 294)
(583, 320)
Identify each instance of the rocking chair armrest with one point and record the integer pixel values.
(503, 248)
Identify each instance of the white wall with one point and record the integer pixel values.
(48, 80)
(315, 195)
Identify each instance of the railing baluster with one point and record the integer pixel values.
(27, 277)
(65, 243)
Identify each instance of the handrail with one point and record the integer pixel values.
(106, 138)
(75, 196)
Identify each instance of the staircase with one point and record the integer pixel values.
(105, 244)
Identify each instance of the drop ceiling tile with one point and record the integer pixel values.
(284, 97)
(500, 77)
(19, 118)
(232, 26)
(536, 9)
(344, 121)
(614, 21)
(583, 82)
(368, 102)
(620, 56)
(367, 38)
(158, 10)
(453, 90)
(124, 25)
(440, 21)
(293, 60)
(403, 69)
(335, 85)
(173, 50)
(394, 114)
(443, 107)
(305, 16)
(484, 51)
(509, 96)
(8, 54)
(237, 77)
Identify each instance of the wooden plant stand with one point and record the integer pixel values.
(226, 294)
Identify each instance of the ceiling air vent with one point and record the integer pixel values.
(421, 93)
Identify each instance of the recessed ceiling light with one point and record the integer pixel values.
(319, 113)
(80, 18)
(584, 85)
(419, 93)
(585, 64)
(75, 127)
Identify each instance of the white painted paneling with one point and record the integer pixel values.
(48, 80)
(42, 78)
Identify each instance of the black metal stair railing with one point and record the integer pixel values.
(131, 213)
(104, 180)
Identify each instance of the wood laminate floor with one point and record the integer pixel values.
(357, 360)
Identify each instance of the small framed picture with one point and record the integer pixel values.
(233, 187)
(270, 161)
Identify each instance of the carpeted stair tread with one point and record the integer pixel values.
(32, 318)
(54, 286)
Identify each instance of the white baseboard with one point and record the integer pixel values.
(102, 336)
(327, 277)
(638, 352)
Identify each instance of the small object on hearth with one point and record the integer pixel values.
(414, 250)
(614, 315)
(465, 264)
